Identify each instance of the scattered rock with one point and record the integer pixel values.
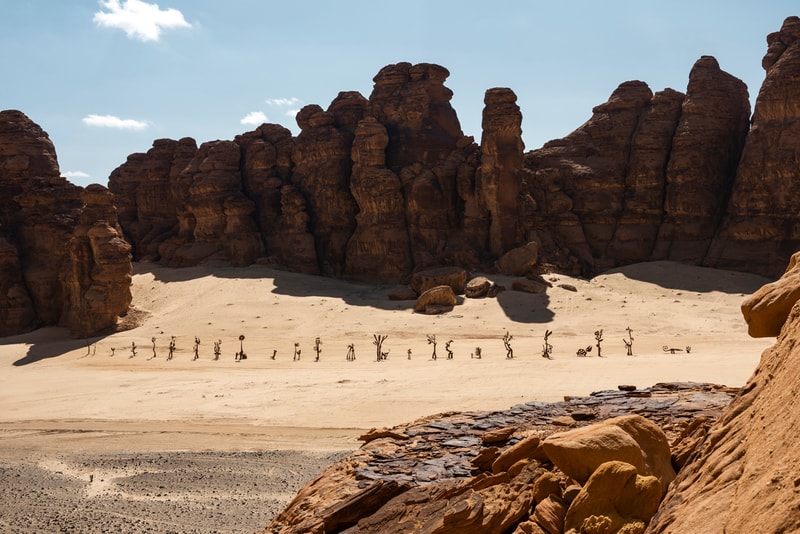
(454, 277)
(480, 287)
(436, 298)
(568, 287)
(519, 261)
(528, 286)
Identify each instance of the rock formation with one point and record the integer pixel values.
(760, 231)
(489, 472)
(649, 176)
(63, 260)
(743, 476)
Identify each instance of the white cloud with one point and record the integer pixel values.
(255, 118)
(76, 174)
(110, 121)
(139, 20)
(283, 102)
(292, 113)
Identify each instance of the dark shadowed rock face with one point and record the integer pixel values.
(760, 231)
(649, 176)
(63, 260)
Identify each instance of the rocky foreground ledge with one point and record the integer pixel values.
(536, 468)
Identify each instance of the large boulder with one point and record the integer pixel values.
(766, 310)
(630, 438)
(434, 298)
(455, 277)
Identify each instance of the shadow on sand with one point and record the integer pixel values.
(45, 343)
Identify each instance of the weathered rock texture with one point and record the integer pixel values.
(486, 471)
(375, 189)
(743, 476)
(63, 260)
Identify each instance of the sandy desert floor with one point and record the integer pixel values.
(125, 440)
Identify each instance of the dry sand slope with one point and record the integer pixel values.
(58, 398)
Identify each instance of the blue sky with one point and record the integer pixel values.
(106, 78)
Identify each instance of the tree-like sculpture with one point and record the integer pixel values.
(598, 335)
(507, 342)
(447, 348)
(432, 341)
(112, 350)
(377, 340)
(547, 348)
(629, 342)
(351, 353)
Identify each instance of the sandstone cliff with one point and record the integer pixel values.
(63, 260)
(744, 476)
(664, 175)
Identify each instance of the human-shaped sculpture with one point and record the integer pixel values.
(274, 353)
(296, 351)
(409, 354)
(317, 343)
(171, 348)
(447, 348)
(217, 349)
(507, 342)
(377, 340)
(598, 335)
(432, 341)
(477, 354)
(629, 342)
(112, 350)
(133, 349)
(547, 348)
(351, 353)
(153, 340)
(196, 348)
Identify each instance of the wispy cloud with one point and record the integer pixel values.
(255, 118)
(292, 113)
(76, 174)
(284, 102)
(110, 121)
(139, 20)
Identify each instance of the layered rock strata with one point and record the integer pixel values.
(650, 176)
(488, 471)
(63, 260)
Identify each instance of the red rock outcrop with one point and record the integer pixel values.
(760, 230)
(379, 249)
(647, 177)
(501, 168)
(322, 168)
(215, 218)
(146, 204)
(62, 257)
(706, 148)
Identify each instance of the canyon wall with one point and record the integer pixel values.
(392, 179)
(63, 260)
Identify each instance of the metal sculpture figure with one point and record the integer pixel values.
(171, 348)
(317, 343)
(377, 340)
(432, 341)
(547, 348)
(217, 349)
(447, 348)
(629, 342)
(507, 342)
(598, 335)
(196, 348)
(351, 353)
